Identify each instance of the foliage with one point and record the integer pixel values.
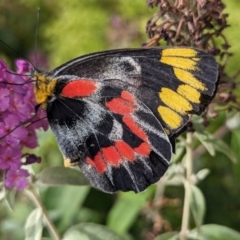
(208, 195)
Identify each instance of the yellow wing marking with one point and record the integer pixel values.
(180, 62)
(179, 52)
(171, 118)
(184, 58)
(175, 101)
(189, 78)
(184, 62)
(189, 93)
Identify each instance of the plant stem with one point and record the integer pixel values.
(30, 192)
(187, 186)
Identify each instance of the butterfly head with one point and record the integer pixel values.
(44, 86)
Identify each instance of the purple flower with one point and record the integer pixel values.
(18, 122)
(3, 68)
(16, 178)
(31, 140)
(22, 66)
(20, 107)
(4, 99)
(10, 158)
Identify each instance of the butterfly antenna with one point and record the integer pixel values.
(18, 53)
(36, 34)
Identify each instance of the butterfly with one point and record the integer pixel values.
(116, 114)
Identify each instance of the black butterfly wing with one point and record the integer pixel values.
(114, 112)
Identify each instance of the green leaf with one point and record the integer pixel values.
(215, 232)
(167, 236)
(198, 205)
(213, 144)
(202, 174)
(33, 226)
(233, 122)
(91, 231)
(2, 192)
(71, 197)
(126, 209)
(222, 147)
(235, 140)
(61, 176)
(175, 175)
(74, 234)
(10, 197)
(206, 140)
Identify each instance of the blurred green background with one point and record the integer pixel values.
(67, 29)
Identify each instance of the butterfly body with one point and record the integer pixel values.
(117, 113)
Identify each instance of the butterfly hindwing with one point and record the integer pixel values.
(117, 113)
(108, 134)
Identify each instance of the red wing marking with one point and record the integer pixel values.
(127, 96)
(125, 106)
(143, 149)
(120, 106)
(125, 150)
(79, 88)
(114, 154)
(135, 128)
(97, 162)
(111, 155)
